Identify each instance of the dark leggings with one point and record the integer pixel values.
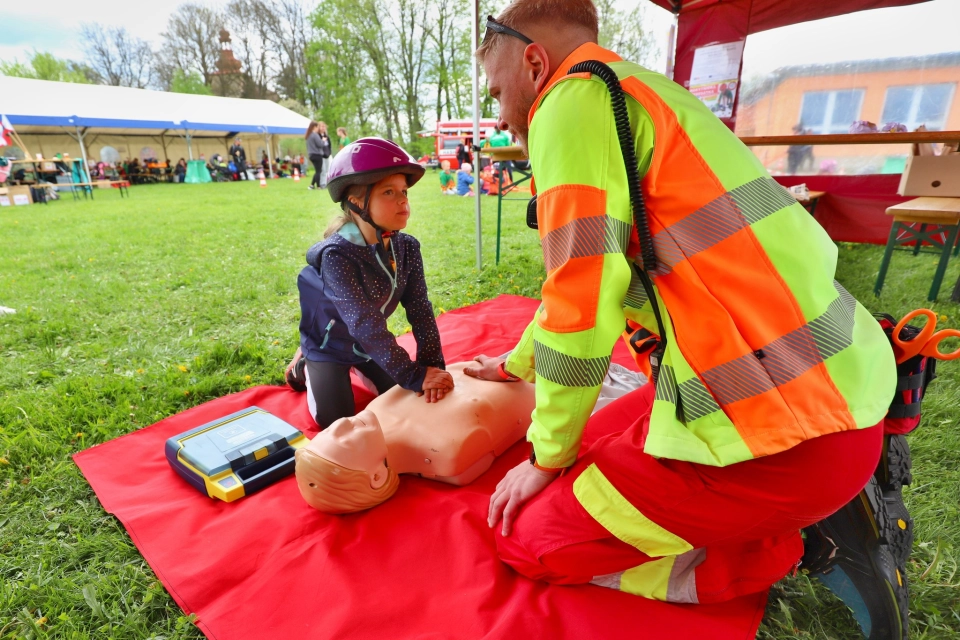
(317, 162)
(329, 384)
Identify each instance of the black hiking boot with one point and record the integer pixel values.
(296, 376)
(851, 553)
(892, 474)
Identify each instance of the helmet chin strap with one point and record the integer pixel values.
(364, 213)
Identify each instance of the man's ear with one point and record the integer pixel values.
(536, 65)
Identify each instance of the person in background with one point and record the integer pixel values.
(463, 152)
(344, 139)
(464, 180)
(239, 158)
(134, 171)
(501, 139)
(488, 180)
(448, 179)
(180, 171)
(265, 163)
(315, 152)
(799, 156)
(326, 149)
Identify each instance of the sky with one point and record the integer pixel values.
(53, 25)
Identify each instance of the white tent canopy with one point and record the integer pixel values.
(51, 115)
(40, 106)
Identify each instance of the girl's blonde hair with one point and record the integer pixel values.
(355, 190)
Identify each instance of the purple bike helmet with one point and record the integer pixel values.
(367, 161)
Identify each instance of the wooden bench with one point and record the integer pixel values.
(87, 187)
(939, 222)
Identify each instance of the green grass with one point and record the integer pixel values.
(131, 310)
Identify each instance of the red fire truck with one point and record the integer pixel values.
(449, 134)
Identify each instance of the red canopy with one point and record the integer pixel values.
(704, 22)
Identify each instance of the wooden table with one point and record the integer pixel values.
(939, 220)
(810, 203)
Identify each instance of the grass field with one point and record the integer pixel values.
(131, 310)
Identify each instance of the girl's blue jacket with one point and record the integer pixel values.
(348, 291)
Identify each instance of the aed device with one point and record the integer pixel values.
(235, 455)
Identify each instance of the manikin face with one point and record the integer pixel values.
(514, 85)
(355, 443)
(389, 205)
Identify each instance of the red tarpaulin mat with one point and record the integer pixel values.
(421, 565)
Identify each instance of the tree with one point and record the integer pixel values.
(118, 58)
(294, 78)
(408, 23)
(46, 66)
(296, 107)
(622, 30)
(191, 42)
(256, 33)
(343, 79)
(189, 83)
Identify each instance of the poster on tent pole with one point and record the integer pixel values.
(713, 78)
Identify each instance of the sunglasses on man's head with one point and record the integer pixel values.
(496, 27)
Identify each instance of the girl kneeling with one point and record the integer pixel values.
(355, 279)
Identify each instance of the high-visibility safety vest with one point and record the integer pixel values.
(764, 348)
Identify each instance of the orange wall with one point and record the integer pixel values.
(777, 112)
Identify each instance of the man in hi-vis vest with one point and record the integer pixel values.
(765, 415)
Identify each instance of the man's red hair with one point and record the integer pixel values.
(521, 14)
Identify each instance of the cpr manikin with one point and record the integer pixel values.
(354, 463)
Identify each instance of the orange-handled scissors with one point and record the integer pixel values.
(926, 342)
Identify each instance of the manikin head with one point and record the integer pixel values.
(517, 71)
(344, 469)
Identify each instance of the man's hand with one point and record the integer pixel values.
(436, 384)
(486, 370)
(520, 484)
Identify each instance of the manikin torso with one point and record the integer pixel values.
(453, 440)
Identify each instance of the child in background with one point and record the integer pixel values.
(464, 180)
(448, 180)
(488, 181)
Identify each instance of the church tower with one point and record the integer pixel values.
(228, 78)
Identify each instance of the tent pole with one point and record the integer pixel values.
(672, 46)
(270, 156)
(189, 145)
(83, 152)
(163, 141)
(474, 37)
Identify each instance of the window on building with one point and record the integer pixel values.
(830, 111)
(926, 104)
